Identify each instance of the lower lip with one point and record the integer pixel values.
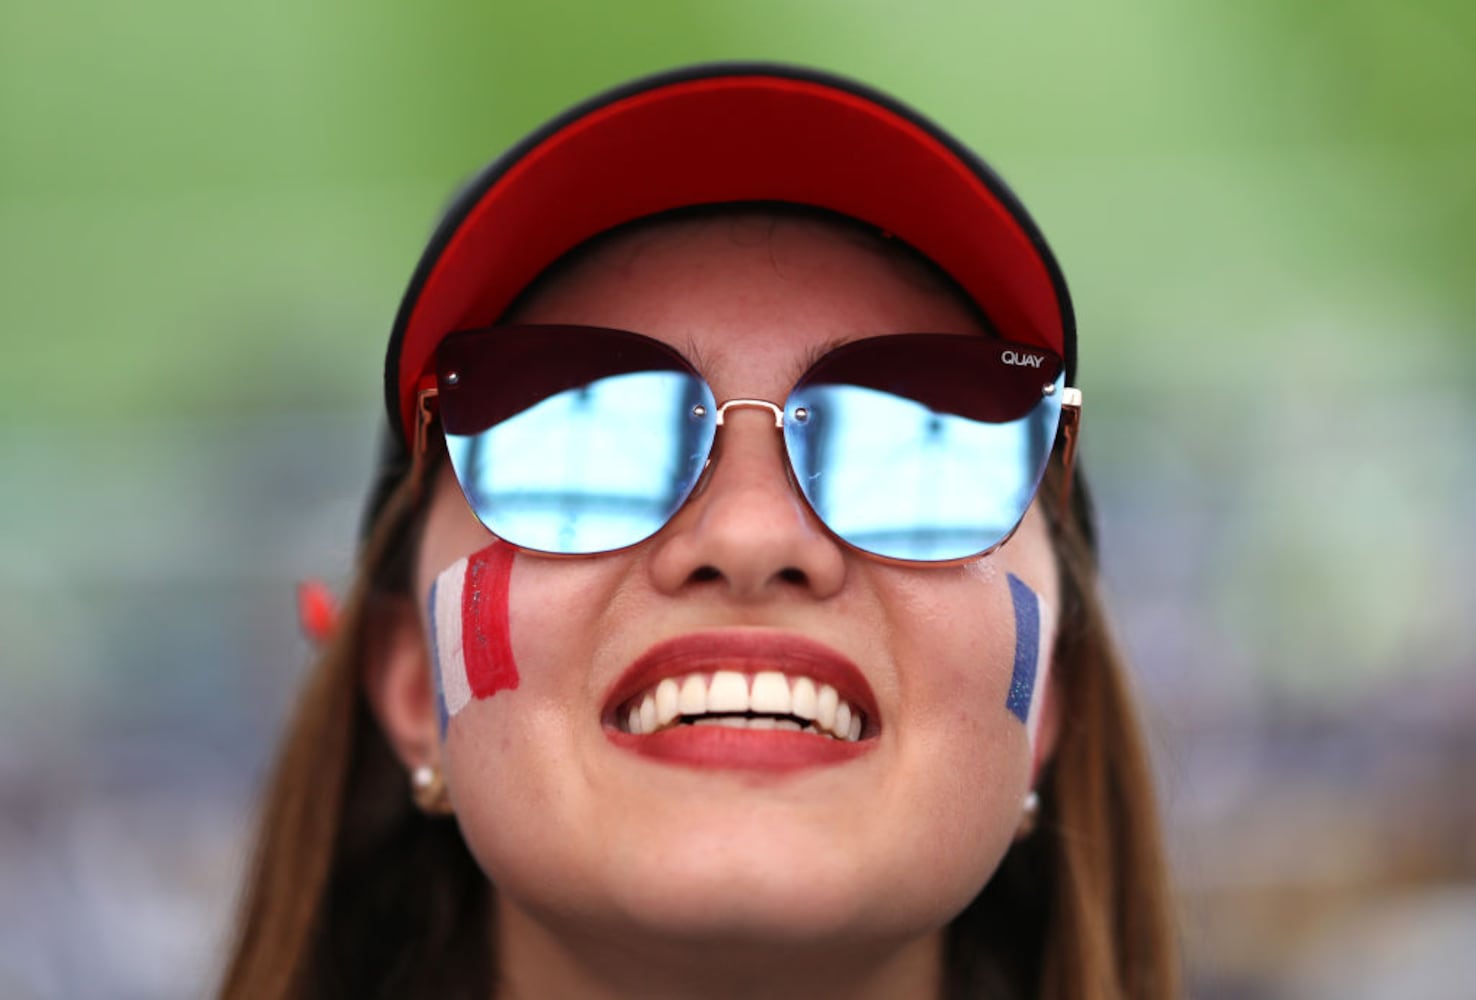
(719, 747)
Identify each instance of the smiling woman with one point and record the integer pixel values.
(725, 607)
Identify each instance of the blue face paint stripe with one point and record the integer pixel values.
(1027, 647)
(442, 718)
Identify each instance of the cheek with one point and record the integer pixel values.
(520, 740)
(974, 666)
(471, 639)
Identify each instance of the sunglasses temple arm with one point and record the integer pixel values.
(1070, 428)
(425, 415)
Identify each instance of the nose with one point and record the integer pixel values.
(747, 532)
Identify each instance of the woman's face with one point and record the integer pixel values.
(575, 825)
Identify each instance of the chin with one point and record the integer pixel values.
(715, 912)
(788, 888)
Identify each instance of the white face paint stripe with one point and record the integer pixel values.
(1044, 648)
(446, 621)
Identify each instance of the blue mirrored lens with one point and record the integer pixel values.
(592, 468)
(925, 470)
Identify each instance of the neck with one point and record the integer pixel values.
(539, 961)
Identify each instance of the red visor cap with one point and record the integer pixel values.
(718, 135)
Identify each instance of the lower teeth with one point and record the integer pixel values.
(755, 722)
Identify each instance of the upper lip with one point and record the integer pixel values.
(746, 651)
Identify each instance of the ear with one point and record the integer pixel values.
(397, 681)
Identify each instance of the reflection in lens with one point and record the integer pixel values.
(592, 468)
(894, 477)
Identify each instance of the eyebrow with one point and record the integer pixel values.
(813, 355)
(695, 355)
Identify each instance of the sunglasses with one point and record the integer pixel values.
(915, 448)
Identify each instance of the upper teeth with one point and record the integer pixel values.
(772, 701)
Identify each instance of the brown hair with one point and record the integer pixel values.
(353, 892)
(1083, 908)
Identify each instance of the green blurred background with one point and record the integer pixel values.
(1265, 211)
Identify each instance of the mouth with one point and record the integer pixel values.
(743, 699)
(769, 699)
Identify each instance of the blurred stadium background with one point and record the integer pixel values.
(208, 213)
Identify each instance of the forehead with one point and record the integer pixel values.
(749, 295)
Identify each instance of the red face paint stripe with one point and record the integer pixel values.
(486, 641)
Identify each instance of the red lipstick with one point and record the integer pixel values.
(748, 652)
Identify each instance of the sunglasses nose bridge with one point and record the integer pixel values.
(753, 404)
(774, 410)
(717, 447)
